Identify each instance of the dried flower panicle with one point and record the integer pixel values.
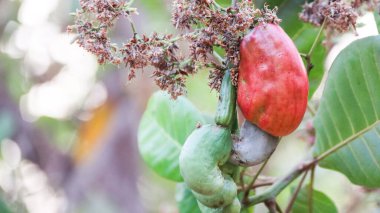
(338, 14)
(268, 15)
(367, 5)
(92, 24)
(220, 27)
(106, 11)
(159, 52)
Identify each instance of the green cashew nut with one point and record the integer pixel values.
(204, 151)
(222, 198)
(227, 102)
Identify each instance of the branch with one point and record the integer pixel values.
(271, 204)
(317, 38)
(294, 196)
(307, 56)
(311, 185)
(268, 183)
(276, 188)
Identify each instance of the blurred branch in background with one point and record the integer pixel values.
(105, 160)
(112, 168)
(113, 163)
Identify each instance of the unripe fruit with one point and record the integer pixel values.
(222, 198)
(204, 151)
(226, 110)
(273, 84)
(234, 207)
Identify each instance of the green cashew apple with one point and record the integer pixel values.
(207, 148)
(272, 85)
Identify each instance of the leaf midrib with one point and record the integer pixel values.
(346, 141)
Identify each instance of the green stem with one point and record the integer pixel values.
(242, 179)
(277, 187)
(317, 39)
(271, 204)
(307, 56)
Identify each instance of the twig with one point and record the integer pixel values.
(278, 208)
(258, 185)
(262, 184)
(133, 27)
(246, 193)
(271, 204)
(311, 186)
(317, 38)
(307, 56)
(242, 179)
(294, 196)
(277, 187)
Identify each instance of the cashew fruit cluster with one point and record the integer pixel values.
(204, 153)
(272, 95)
(272, 85)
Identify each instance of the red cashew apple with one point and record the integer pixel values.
(273, 84)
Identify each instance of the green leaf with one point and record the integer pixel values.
(321, 203)
(224, 3)
(164, 127)
(349, 113)
(186, 201)
(4, 207)
(303, 36)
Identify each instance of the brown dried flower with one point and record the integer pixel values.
(338, 14)
(223, 27)
(217, 27)
(371, 5)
